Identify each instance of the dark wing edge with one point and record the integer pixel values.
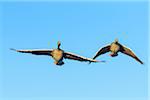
(35, 51)
(72, 56)
(102, 50)
(130, 53)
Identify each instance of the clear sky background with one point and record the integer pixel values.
(82, 28)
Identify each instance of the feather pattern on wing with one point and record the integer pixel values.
(130, 53)
(72, 56)
(102, 50)
(36, 51)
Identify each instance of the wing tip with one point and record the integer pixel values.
(141, 62)
(94, 57)
(96, 61)
(13, 49)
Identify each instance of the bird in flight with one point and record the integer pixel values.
(57, 54)
(114, 48)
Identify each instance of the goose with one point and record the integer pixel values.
(114, 48)
(57, 54)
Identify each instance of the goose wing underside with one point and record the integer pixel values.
(102, 50)
(130, 53)
(72, 56)
(35, 51)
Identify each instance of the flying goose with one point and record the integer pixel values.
(57, 54)
(114, 48)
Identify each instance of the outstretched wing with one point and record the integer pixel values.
(102, 51)
(130, 53)
(36, 51)
(72, 56)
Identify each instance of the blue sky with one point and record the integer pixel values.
(82, 28)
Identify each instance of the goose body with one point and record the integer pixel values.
(57, 54)
(114, 49)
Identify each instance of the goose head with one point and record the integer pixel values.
(116, 40)
(58, 44)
